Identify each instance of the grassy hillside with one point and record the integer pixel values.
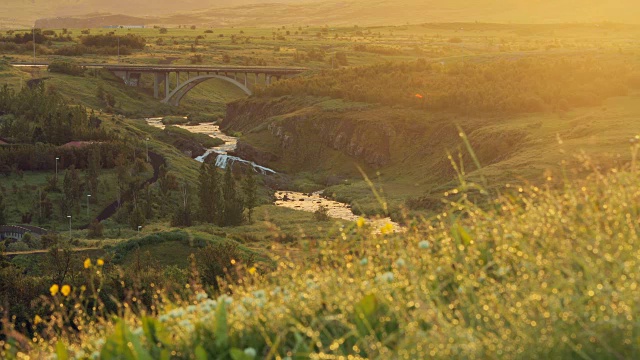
(536, 274)
(402, 142)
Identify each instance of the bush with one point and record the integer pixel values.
(322, 214)
(96, 229)
(18, 246)
(67, 68)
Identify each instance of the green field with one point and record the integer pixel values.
(508, 152)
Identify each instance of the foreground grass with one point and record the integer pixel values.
(537, 273)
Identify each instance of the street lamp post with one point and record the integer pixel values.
(34, 45)
(147, 143)
(69, 216)
(57, 158)
(139, 227)
(88, 197)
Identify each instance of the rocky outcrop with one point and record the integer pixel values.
(248, 152)
(304, 130)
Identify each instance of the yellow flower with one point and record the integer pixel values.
(37, 320)
(87, 263)
(54, 289)
(253, 270)
(66, 290)
(100, 262)
(360, 222)
(387, 229)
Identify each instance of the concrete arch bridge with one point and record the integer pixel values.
(187, 77)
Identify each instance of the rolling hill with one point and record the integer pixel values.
(313, 12)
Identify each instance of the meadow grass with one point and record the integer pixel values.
(532, 273)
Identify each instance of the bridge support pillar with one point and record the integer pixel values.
(167, 89)
(158, 78)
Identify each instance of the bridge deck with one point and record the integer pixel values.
(186, 68)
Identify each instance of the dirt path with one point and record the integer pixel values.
(32, 252)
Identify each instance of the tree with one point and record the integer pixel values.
(210, 196)
(137, 217)
(250, 189)
(72, 190)
(182, 212)
(233, 204)
(3, 219)
(93, 171)
(96, 229)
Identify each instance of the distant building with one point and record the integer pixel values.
(124, 27)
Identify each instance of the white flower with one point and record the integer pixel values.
(250, 352)
(260, 294)
(163, 318)
(388, 277)
(201, 296)
(95, 355)
(187, 325)
(191, 308)
(400, 262)
(424, 244)
(364, 261)
(137, 331)
(311, 284)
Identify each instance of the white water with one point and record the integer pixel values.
(230, 144)
(287, 199)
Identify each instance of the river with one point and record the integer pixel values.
(286, 199)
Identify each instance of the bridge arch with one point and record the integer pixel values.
(183, 89)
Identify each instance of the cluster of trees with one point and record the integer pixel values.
(505, 86)
(42, 157)
(221, 202)
(41, 37)
(35, 115)
(104, 44)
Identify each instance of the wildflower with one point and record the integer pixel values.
(400, 262)
(360, 222)
(137, 331)
(388, 276)
(251, 352)
(163, 318)
(186, 325)
(100, 262)
(95, 355)
(253, 270)
(54, 289)
(202, 296)
(37, 320)
(191, 308)
(87, 263)
(424, 244)
(66, 290)
(364, 261)
(386, 229)
(260, 294)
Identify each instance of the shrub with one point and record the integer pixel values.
(322, 214)
(18, 246)
(96, 229)
(67, 68)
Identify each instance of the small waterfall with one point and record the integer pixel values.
(230, 144)
(224, 160)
